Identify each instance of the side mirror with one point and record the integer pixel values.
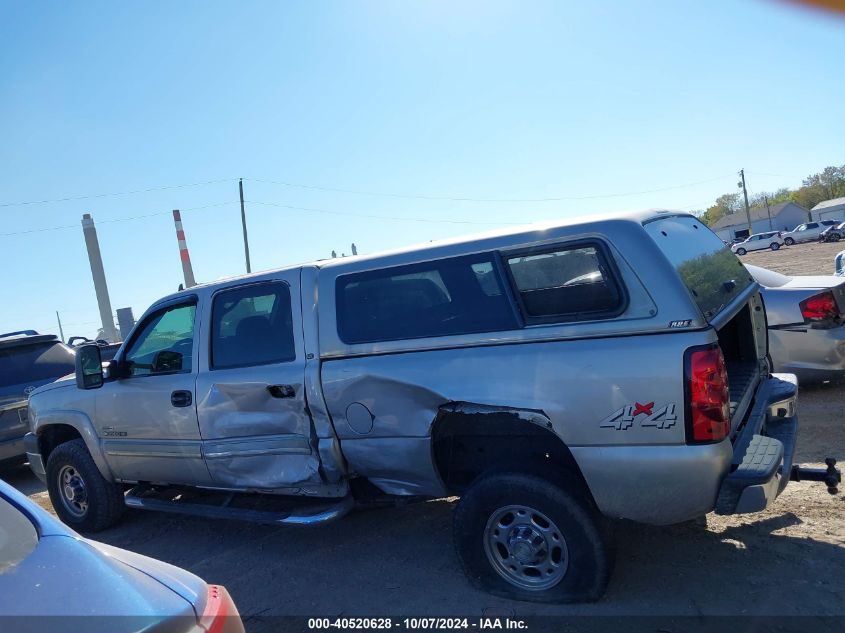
(89, 367)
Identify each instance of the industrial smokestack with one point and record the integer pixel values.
(99, 276)
(187, 270)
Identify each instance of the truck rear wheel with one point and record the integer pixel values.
(80, 495)
(522, 537)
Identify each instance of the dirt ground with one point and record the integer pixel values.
(788, 560)
(800, 259)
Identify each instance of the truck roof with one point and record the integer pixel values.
(435, 247)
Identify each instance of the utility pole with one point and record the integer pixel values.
(768, 212)
(61, 333)
(745, 194)
(243, 223)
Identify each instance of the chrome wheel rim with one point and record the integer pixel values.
(526, 548)
(72, 491)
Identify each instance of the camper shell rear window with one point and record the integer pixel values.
(713, 275)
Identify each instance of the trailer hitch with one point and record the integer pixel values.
(831, 475)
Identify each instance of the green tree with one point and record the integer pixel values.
(725, 205)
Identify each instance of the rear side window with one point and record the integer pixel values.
(564, 283)
(27, 364)
(252, 325)
(459, 295)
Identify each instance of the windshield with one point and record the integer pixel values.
(709, 269)
(18, 536)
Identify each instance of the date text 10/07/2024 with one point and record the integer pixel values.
(414, 624)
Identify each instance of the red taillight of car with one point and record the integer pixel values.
(708, 405)
(820, 307)
(220, 614)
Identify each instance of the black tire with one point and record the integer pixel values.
(774, 246)
(741, 251)
(587, 555)
(788, 241)
(103, 500)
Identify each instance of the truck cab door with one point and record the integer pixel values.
(255, 426)
(146, 417)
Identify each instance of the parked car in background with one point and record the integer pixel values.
(52, 579)
(806, 323)
(507, 369)
(833, 233)
(807, 232)
(27, 360)
(107, 350)
(759, 241)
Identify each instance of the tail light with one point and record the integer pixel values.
(220, 614)
(820, 307)
(708, 398)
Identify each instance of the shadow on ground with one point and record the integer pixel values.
(401, 561)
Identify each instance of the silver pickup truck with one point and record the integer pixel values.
(551, 376)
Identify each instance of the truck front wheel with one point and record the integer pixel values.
(80, 495)
(522, 537)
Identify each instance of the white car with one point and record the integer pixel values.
(758, 242)
(807, 232)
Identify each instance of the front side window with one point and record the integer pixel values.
(164, 344)
(252, 325)
(459, 295)
(564, 283)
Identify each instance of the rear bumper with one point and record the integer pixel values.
(811, 354)
(763, 450)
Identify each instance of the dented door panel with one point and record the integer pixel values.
(254, 420)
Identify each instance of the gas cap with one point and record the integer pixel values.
(359, 418)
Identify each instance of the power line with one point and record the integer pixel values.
(761, 173)
(377, 217)
(110, 195)
(359, 192)
(113, 220)
(471, 199)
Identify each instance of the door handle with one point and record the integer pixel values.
(181, 398)
(281, 391)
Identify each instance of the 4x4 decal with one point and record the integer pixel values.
(663, 417)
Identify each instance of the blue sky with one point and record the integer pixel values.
(488, 100)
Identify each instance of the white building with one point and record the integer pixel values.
(784, 216)
(830, 210)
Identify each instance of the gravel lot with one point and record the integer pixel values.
(786, 561)
(800, 259)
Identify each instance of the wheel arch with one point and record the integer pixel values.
(470, 439)
(57, 427)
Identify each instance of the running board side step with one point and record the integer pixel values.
(140, 497)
